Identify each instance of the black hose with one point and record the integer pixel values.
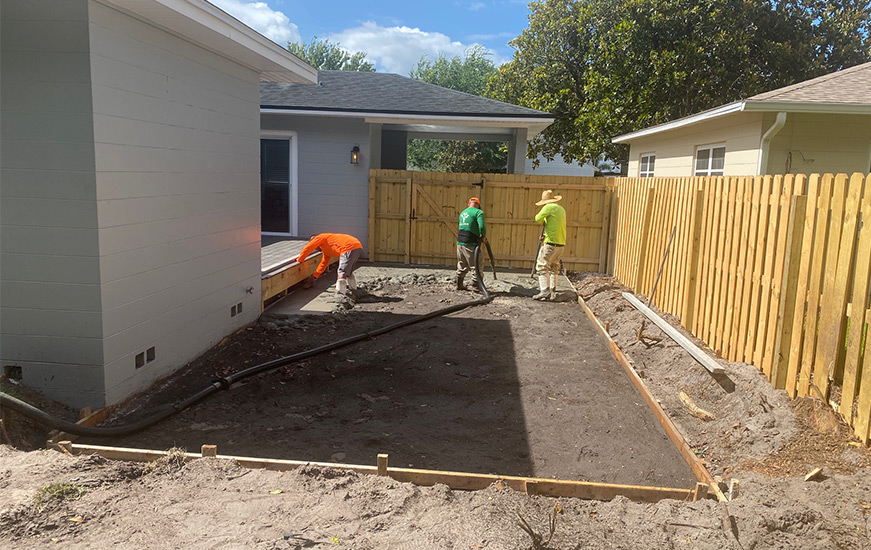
(224, 383)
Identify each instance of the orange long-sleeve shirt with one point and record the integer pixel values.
(332, 245)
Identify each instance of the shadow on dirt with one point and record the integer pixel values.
(405, 393)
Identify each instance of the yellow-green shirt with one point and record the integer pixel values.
(554, 218)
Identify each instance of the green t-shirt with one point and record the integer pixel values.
(472, 228)
(554, 218)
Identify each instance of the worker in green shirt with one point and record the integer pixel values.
(472, 232)
(553, 236)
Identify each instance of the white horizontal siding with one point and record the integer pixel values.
(176, 131)
(49, 277)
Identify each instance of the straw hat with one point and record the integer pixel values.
(548, 197)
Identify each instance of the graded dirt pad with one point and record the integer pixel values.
(514, 387)
(211, 503)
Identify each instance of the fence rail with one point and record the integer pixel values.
(770, 270)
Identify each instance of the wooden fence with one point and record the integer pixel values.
(771, 270)
(413, 216)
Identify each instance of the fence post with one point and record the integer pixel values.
(409, 220)
(605, 234)
(689, 312)
(372, 191)
(645, 238)
(789, 305)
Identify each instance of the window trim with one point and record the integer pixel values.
(707, 172)
(648, 173)
(293, 137)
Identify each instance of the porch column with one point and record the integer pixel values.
(517, 151)
(375, 146)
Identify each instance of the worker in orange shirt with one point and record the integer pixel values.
(335, 245)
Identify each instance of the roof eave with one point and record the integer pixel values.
(202, 23)
(533, 123)
(717, 112)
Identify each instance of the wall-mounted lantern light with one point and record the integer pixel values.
(355, 155)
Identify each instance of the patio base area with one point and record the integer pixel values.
(515, 388)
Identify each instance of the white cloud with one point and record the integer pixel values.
(273, 24)
(398, 49)
(475, 6)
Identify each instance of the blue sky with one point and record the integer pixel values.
(393, 33)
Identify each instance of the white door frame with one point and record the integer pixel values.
(293, 192)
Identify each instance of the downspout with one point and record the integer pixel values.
(766, 141)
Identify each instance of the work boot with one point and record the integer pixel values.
(352, 282)
(460, 285)
(342, 287)
(544, 286)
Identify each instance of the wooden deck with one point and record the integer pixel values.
(279, 270)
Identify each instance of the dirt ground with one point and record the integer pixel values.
(466, 392)
(516, 387)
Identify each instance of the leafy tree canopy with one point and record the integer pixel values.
(468, 74)
(329, 56)
(607, 67)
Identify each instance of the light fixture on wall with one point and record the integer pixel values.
(355, 155)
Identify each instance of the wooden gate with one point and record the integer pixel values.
(413, 216)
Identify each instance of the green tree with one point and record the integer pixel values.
(606, 67)
(329, 56)
(468, 74)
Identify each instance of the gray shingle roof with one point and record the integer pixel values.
(383, 93)
(849, 86)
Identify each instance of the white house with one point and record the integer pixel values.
(129, 188)
(817, 126)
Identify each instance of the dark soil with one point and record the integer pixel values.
(515, 387)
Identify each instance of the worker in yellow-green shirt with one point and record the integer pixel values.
(553, 236)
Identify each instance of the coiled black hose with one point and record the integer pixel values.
(224, 383)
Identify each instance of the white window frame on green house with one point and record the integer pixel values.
(646, 164)
(708, 168)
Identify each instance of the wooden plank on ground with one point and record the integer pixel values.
(454, 480)
(703, 358)
(87, 418)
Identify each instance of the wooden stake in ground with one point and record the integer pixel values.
(640, 333)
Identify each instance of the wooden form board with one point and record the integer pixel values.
(280, 282)
(696, 465)
(87, 418)
(413, 216)
(703, 358)
(770, 270)
(454, 480)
